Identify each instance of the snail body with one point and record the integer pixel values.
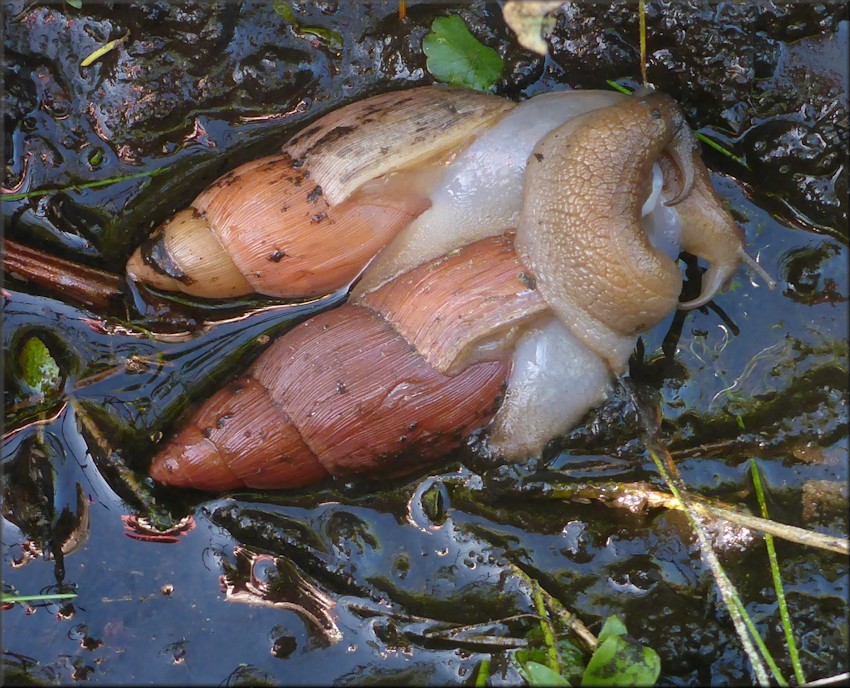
(508, 257)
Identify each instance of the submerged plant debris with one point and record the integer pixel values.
(437, 578)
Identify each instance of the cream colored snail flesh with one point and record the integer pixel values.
(504, 258)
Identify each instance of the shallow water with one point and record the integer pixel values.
(358, 582)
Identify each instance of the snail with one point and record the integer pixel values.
(502, 260)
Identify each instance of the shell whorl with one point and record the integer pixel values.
(341, 394)
(274, 225)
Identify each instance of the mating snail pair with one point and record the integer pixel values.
(508, 257)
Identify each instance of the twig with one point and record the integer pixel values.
(87, 285)
(567, 618)
(642, 495)
(837, 680)
(740, 619)
(450, 634)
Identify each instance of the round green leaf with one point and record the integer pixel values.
(456, 57)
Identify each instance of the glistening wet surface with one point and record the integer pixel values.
(397, 581)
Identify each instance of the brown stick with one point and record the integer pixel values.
(90, 286)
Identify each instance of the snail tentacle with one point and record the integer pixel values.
(682, 150)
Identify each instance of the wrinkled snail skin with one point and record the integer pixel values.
(562, 367)
(709, 231)
(459, 322)
(594, 263)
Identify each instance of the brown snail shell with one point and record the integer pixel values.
(371, 403)
(416, 362)
(275, 225)
(348, 393)
(479, 299)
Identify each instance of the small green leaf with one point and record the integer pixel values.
(611, 628)
(285, 11)
(456, 57)
(541, 675)
(96, 157)
(329, 36)
(38, 368)
(572, 661)
(76, 4)
(525, 655)
(621, 661)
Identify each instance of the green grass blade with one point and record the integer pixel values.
(85, 185)
(483, 673)
(642, 12)
(6, 599)
(743, 625)
(751, 627)
(777, 580)
(618, 87)
(720, 149)
(553, 660)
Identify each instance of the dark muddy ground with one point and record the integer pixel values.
(349, 582)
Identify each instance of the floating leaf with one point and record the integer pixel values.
(38, 368)
(456, 57)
